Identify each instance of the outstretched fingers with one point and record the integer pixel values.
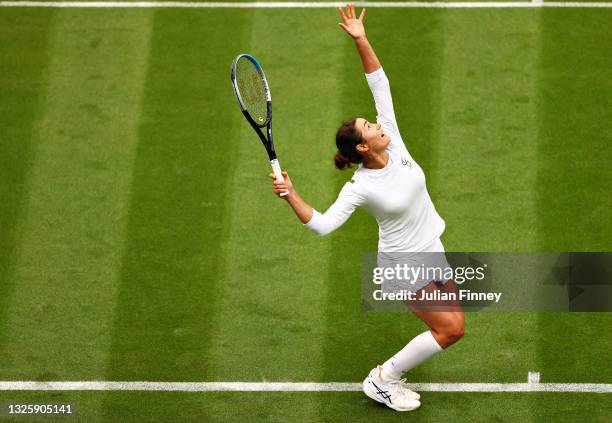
(350, 12)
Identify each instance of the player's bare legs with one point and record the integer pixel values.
(445, 319)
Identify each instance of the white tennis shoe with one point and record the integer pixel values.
(407, 390)
(393, 393)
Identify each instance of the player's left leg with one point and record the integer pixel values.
(445, 321)
(446, 326)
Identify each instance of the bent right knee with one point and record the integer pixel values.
(448, 335)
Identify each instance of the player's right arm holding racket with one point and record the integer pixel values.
(350, 196)
(322, 224)
(302, 209)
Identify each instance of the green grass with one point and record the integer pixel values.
(22, 83)
(140, 240)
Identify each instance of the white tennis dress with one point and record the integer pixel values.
(395, 195)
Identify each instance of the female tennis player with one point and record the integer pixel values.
(390, 185)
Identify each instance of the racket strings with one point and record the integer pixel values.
(252, 90)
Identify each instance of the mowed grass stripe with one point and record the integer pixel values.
(68, 257)
(269, 318)
(23, 48)
(484, 185)
(357, 341)
(574, 176)
(488, 131)
(575, 169)
(169, 270)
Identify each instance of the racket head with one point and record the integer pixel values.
(251, 89)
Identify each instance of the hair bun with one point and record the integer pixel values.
(341, 161)
(348, 138)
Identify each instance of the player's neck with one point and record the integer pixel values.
(377, 161)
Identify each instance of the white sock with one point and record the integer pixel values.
(421, 348)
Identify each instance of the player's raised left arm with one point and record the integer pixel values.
(353, 26)
(375, 75)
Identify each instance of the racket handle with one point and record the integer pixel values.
(277, 174)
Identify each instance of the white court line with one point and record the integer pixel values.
(294, 5)
(532, 385)
(533, 377)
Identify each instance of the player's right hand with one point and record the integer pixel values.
(280, 187)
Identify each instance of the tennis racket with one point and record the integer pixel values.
(253, 95)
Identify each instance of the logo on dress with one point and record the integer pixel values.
(406, 162)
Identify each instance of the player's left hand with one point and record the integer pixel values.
(350, 23)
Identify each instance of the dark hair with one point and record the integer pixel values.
(347, 139)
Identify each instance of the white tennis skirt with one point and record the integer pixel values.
(411, 271)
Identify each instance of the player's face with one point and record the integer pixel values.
(372, 135)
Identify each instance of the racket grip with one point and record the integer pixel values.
(277, 174)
